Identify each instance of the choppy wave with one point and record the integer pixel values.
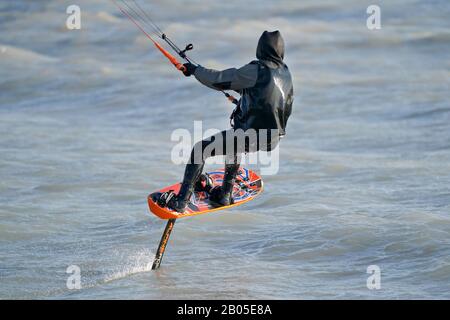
(429, 38)
(85, 124)
(19, 55)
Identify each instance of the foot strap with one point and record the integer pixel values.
(165, 198)
(204, 183)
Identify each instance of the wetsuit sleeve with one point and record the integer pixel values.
(229, 79)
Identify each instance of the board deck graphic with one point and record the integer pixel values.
(248, 185)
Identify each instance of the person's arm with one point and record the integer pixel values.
(229, 79)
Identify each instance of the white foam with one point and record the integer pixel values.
(139, 262)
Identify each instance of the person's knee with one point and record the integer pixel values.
(197, 153)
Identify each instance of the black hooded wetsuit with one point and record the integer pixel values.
(266, 90)
(266, 100)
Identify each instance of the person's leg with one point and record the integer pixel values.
(223, 195)
(236, 145)
(191, 174)
(193, 171)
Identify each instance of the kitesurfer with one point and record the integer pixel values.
(266, 90)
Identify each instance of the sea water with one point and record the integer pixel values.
(86, 118)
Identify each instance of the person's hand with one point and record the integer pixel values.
(190, 69)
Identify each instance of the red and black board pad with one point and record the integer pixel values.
(248, 185)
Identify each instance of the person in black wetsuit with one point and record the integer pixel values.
(266, 90)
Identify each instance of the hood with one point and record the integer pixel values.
(271, 48)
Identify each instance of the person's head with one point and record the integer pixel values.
(271, 48)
